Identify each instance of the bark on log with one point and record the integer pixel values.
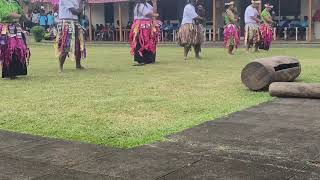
(295, 90)
(259, 74)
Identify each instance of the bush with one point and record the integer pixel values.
(37, 32)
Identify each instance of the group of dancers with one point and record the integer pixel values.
(145, 31)
(14, 53)
(144, 34)
(258, 27)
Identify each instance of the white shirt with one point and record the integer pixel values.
(35, 17)
(64, 9)
(189, 13)
(56, 17)
(143, 11)
(250, 12)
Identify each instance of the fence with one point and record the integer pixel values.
(297, 34)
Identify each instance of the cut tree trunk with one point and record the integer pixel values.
(296, 90)
(260, 73)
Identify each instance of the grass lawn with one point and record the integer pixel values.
(115, 104)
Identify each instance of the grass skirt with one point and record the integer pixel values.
(190, 35)
(266, 36)
(252, 35)
(231, 36)
(70, 39)
(14, 53)
(144, 37)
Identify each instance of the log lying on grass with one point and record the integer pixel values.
(259, 74)
(296, 90)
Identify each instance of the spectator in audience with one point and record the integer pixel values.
(56, 18)
(35, 17)
(118, 24)
(129, 25)
(43, 19)
(50, 19)
(304, 23)
(284, 23)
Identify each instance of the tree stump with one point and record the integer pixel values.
(260, 73)
(296, 90)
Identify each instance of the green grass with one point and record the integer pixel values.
(115, 104)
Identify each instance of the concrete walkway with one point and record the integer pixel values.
(276, 140)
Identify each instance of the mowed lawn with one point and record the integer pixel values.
(115, 104)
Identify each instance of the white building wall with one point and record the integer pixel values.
(305, 7)
(97, 14)
(125, 13)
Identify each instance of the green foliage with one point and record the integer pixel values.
(37, 32)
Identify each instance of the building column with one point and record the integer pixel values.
(90, 22)
(120, 22)
(310, 34)
(214, 19)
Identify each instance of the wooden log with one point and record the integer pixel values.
(295, 90)
(260, 73)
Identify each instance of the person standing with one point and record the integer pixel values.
(231, 31)
(145, 32)
(266, 28)
(35, 18)
(43, 19)
(14, 54)
(70, 39)
(190, 34)
(252, 37)
(50, 19)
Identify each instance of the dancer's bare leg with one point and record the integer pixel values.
(186, 51)
(62, 59)
(197, 50)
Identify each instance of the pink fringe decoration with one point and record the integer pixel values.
(266, 34)
(10, 46)
(147, 32)
(55, 2)
(231, 32)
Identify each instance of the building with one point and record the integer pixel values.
(121, 12)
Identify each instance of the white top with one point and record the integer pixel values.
(250, 12)
(143, 11)
(64, 9)
(189, 13)
(35, 17)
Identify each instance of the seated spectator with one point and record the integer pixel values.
(50, 34)
(304, 24)
(129, 25)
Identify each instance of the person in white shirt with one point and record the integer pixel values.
(190, 33)
(252, 21)
(35, 17)
(70, 39)
(145, 32)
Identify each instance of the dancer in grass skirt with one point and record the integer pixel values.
(145, 33)
(266, 28)
(70, 41)
(14, 54)
(231, 31)
(252, 35)
(190, 33)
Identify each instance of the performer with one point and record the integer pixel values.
(231, 31)
(14, 54)
(190, 33)
(266, 28)
(145, 33)
(70, 39)
(252, 37)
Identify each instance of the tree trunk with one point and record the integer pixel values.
(297, 90)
